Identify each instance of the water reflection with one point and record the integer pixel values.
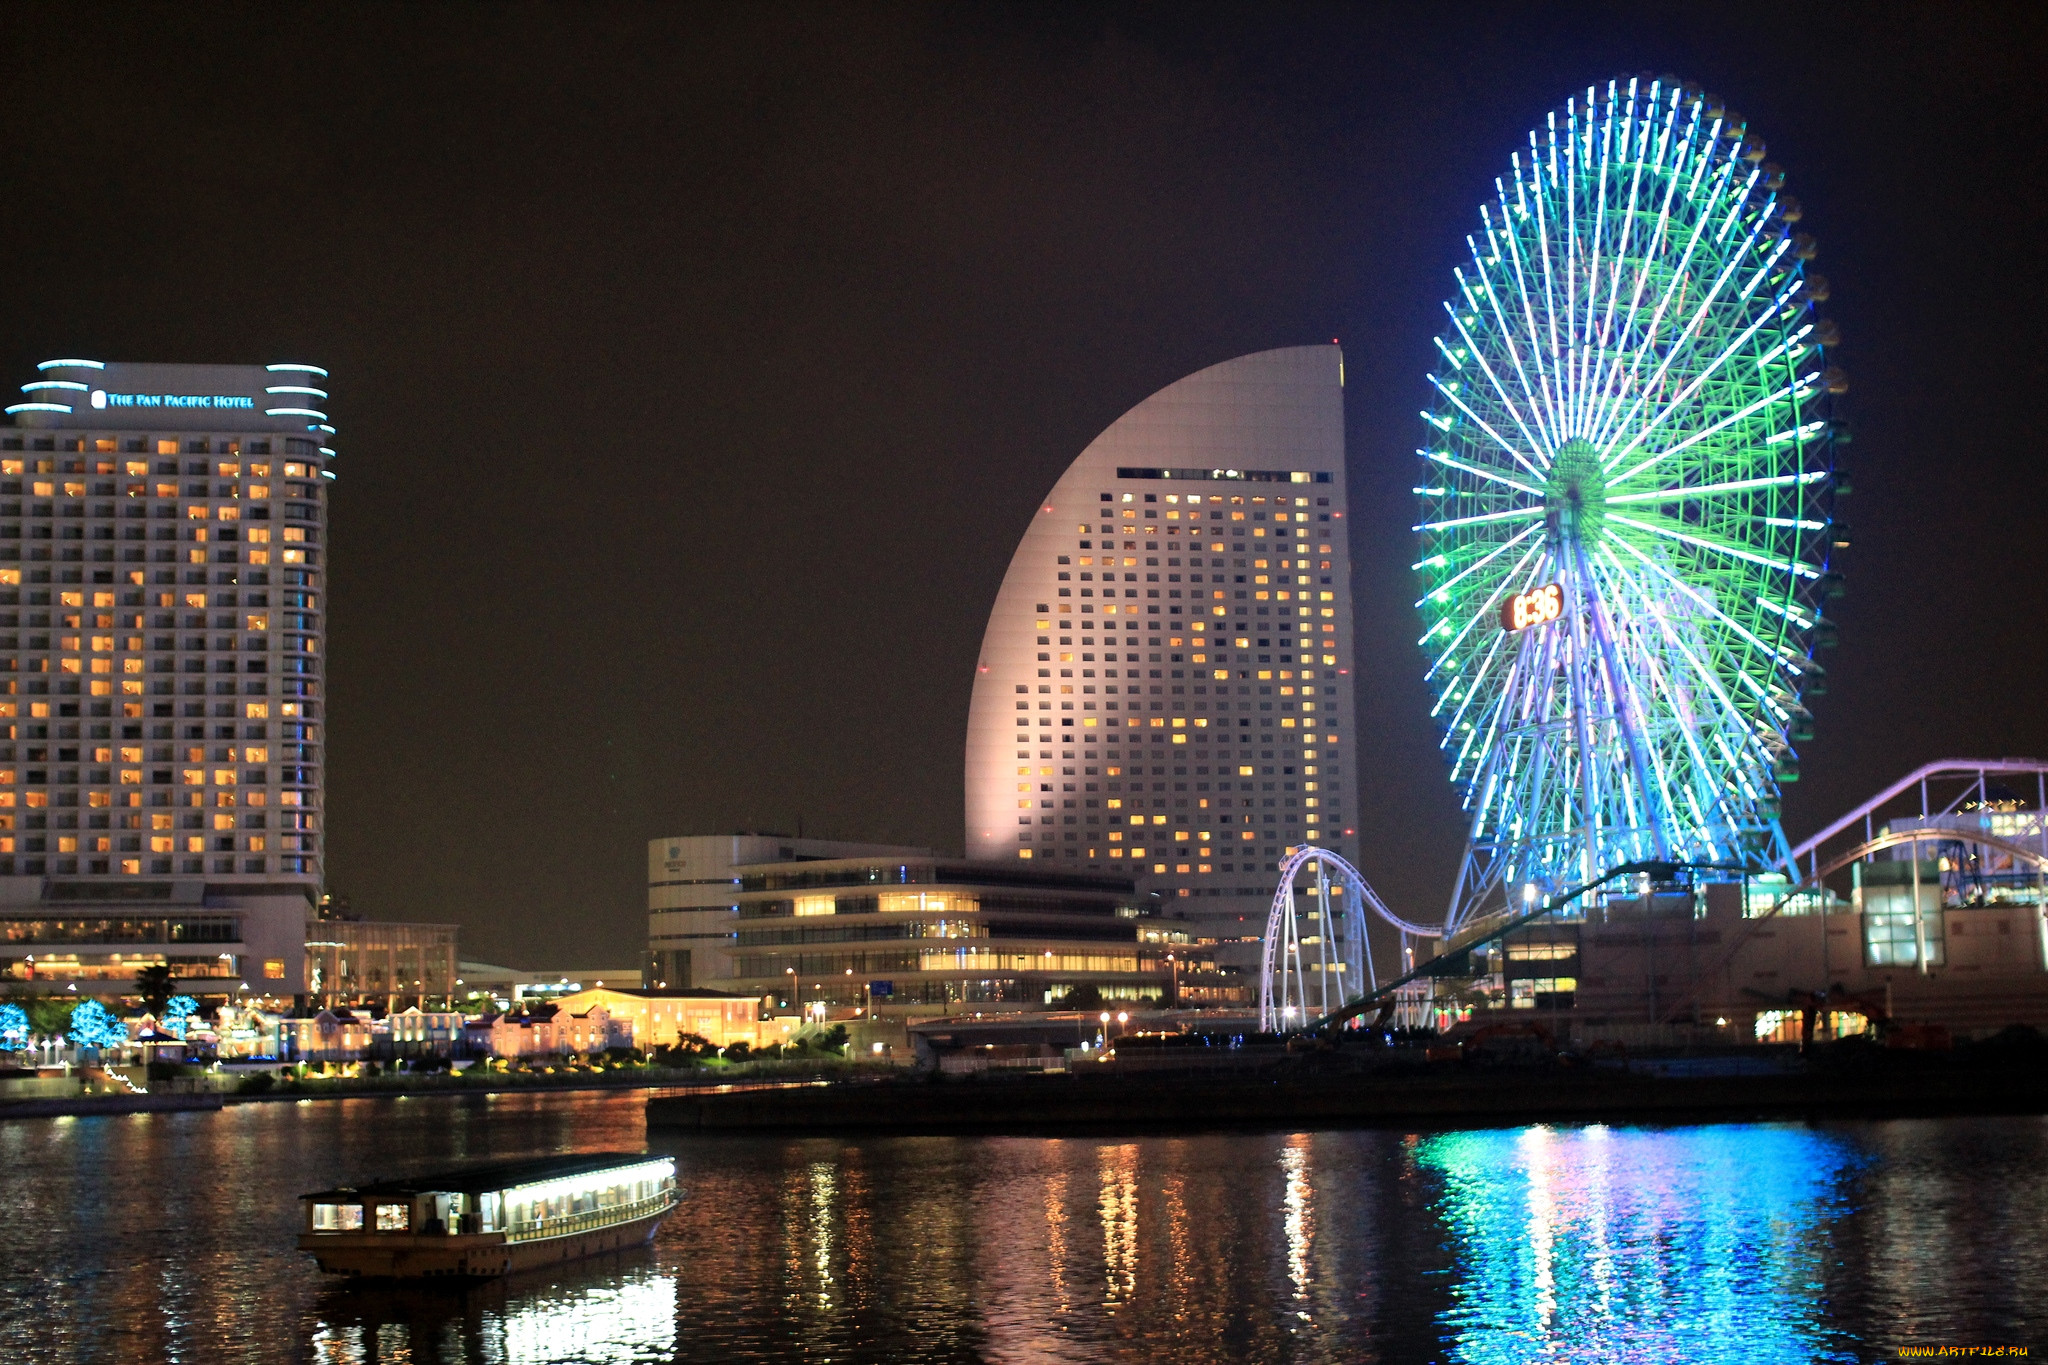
(1633, 1244)
(611, 1310)
(1119, 1209)
(1732, 1243)
(1299, 1216)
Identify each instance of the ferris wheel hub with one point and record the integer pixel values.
(1575, 496)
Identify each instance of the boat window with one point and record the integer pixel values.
(393, 1217)
(337, 1217)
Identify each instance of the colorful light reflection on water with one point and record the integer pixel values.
(172, 1239)
(1690, 1244)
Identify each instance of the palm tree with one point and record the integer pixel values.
(156, 986)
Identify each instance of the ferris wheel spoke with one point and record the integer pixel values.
(1795, 567)
(1600, 400)
(1682, 346)
(1543, 243)
(1474, 567)
(1728, 352)
(1679, 273)
(1462, 406)
(1794, 391)
(1679, 345)
(1782, 656)
(1693, 492)
(1629, 705)
(1612, 410)
(1650, 604)
(1532, 385)
(1532, 332)
(1690, 721)
(1500, 390)
(1486, 608)
(1480, 472)
(1506, 514)
(1564, 182)
(1629, 219)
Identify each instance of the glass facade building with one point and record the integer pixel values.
(162, 534)
(931, 936)
(1164, 690)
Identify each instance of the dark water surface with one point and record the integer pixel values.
(169, 1237)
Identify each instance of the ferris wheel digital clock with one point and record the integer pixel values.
(1536, 607)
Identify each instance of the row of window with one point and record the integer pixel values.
(161, 843)
(143, 445)
(138, 867)
(255, 535)
(1216, 500)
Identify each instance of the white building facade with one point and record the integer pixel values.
(1165, 686)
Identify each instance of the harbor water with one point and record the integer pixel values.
(170, 1237)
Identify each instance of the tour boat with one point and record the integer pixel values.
(485, 1221)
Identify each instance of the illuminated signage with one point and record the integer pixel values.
(1536, 607)
(102, 399)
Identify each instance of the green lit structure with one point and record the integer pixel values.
(1627, 500)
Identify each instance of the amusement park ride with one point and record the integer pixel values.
(1628, 517)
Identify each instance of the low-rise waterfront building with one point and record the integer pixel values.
(660, 1018)
(386, 963)
(228, 939)
(334, 1035)
(1730, 957)
(590, 1031)
(487, 985)
(692, 908)
(414, 1032)
(920, 937)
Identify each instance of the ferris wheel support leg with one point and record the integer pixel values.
(1589, 811)
(1625, 711)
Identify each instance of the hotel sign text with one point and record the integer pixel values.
(102, 399)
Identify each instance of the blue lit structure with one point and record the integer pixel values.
(1627, 500)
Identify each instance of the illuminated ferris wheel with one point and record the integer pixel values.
(1627, 499)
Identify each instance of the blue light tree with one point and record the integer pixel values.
(13, 1028)
(179, 1012)
(94, 1025)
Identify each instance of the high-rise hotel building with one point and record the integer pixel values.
(161, 646)
(1165, 686)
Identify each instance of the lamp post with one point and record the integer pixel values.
(790, 972)
(1173, 991)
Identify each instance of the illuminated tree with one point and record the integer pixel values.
(1627, 500)
(178, 1013)
(94, 1025)
(13, 1027)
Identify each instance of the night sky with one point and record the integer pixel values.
(698, 369)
